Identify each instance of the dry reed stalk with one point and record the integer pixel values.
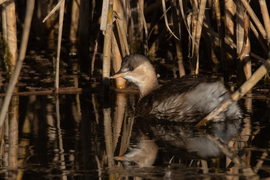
(246, 53)
(94, 54)
(166, 19)
(230, 10)
(121, 19)
(244, 65)
(23, 46)
(107, 48)
(10, 36)
(240, 27)
(240, 47)
(209, 37)
(177, 31)
(74, 25)
(221, 40)
(53, 10)
(266, 19)
(258, 74)
(145, 40)
(104, 15)
(116, 63)
(184, 17)
(192, 42)
(4, 22)
(61, 5)
(199, 24)
(254, 18)
(60, 31)
(230, 43)
(118, 50)
(141, 20)
(123, 35)
(136, 25)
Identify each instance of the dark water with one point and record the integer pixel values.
(76, 136)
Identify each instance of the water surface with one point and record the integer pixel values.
(76, 136)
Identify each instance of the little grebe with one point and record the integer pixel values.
(186, 99)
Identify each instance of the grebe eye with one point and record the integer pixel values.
(131, 68)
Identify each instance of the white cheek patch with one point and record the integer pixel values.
(131, 79)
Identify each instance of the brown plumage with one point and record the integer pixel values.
(186, 99)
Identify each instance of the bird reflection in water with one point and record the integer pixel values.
(144, 154)
(181, 140)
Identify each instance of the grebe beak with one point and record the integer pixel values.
(117, 75)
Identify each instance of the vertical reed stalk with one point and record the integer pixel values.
(198, 37)
(117, 60)
(23, 46)
(60, 31)
(94, 54)
(177, 31)
(123, 34)
(116, 55)
(10, 36)
(136, 27)
(230, 10)
(140, 7)
(107, 48)
(240, 19)
(246, 52)
(193, 32)
(74, 25)
(243, 50)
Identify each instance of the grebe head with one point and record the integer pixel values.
(137, 69)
